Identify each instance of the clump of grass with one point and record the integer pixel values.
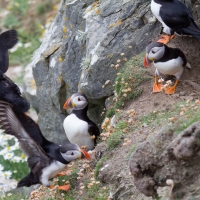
(98, 166)
(10, 196)
(97, 193)
(127, 83)
(116, 137)
(110, 112)
(72, 178)
(85, 63)
(133, 148)
(183, 114)
(81, 37)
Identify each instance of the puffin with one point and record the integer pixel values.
(167, 61)
(77, 125)
(43, 165)
(9, 91)
(175, 18)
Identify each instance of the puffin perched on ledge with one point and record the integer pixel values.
(167, 61)
(43, 165)
(175, 17)
(9, 91)
(78, 127)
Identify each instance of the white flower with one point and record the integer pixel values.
(16, 159)
(1, 168)
(28, 44)
(9, 156)
(7, 174)
(18, 45)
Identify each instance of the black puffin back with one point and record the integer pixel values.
(172, 53)
(7, 40)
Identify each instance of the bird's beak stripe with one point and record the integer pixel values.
(85, 153)
(73, 105)
(66, 104)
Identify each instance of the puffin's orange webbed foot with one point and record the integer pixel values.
(67, 172)
(165, 38)
(62, 187)
(170, 90)
(157, 87)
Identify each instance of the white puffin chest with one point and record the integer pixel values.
(171, 67)
(155, 8)
(77, 131)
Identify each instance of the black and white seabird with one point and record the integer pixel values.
(167, 61)
(43, 166)
(9, 91)
(78, 127)
(175, 17)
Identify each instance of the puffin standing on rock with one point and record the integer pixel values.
(44, 162)
(9, 91)
(167, 61)
(78, 127)
(175, 17)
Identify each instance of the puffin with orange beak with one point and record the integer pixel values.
(45, 162)
(78, 127)
(167, 61)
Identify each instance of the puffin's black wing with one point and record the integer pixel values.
(175, 14)
(93, 130)
(7, 40)
(10, 93)
(178, 17)
(12, 126)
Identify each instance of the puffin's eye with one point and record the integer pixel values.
(72, 153)
(153, 52)
(79, 99)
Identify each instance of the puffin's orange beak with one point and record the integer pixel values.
(66, 104)
(146, 64)
(85, 153)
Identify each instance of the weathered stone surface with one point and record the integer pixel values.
(168, 156)
(82, 42)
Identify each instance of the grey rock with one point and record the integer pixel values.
(84, 39)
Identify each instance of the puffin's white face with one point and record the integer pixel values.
(72, 151)
(71, 155)
(156, 53)
(79, 102)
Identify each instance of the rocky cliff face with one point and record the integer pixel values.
(168, 156)
(82, 42)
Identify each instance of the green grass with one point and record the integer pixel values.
(133, 148)
(160, 117)
(98, 166)
(72, 178)
(127, 83)
(16, 196)
(96, 193)
(116, 137)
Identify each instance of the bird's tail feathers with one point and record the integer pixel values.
(28, 180)
(192, 30)
(8, 38)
